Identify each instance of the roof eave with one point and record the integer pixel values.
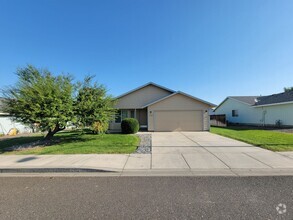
(198, 99)
(272, 104)
(229, 97)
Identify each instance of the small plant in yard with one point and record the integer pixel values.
(100, 127)
(129, 126)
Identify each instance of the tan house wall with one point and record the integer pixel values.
(141, 97)
(114, 126)
(206, 121)
(177, 102)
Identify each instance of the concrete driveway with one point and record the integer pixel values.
(204, 150)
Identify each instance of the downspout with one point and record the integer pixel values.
(264, 112)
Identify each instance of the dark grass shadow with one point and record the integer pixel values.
(241, 128)
(245, 127)
(5, 143)
(65, 137)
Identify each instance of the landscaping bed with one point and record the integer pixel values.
(145, 145)
(271, 140)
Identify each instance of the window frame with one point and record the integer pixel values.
(235, 113)
(118, 116)
(121, 114)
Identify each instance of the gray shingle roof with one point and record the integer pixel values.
(275, 98)
(246, 99)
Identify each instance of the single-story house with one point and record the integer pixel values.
(158, 108)
(271, 110)
(6, 122)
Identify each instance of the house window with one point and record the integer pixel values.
(124, 114)
(132, 114)
(118, 117)
(121, 114)
(234, 113)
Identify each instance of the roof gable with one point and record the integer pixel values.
(143, 86)
(248, 100)
(256, 101)
(139, 97)
(184, 94)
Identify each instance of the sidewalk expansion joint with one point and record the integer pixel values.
(185, 160)
(210, 153)
(257, 160)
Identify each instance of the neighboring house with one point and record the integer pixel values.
(161, 109)
(268, 110)
(6, 122)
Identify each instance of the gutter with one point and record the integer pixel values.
(279, 103)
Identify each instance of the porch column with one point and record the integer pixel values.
(135, 113)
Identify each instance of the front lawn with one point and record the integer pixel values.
(271, 140)
(77, 143)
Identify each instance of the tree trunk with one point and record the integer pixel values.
(51, 133)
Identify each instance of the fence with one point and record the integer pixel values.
(218, 120)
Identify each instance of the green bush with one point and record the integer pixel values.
(129, 126)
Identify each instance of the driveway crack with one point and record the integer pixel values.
(198, 145)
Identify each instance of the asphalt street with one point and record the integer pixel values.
(146, 197)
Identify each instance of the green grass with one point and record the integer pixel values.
(271, 140)
(77, 143)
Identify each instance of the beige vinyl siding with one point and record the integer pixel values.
(178, 102)
(283, 112)
(246, 113)
(206, 121)
(114, 126)
(141, 97)
(250, 115)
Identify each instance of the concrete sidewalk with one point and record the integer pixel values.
(152, 165)
(173, 153)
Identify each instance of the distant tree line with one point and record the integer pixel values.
(288, 89)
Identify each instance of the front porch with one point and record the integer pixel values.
(139, 114)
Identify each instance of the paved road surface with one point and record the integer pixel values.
(145, 197)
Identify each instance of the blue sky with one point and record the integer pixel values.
(210, 48)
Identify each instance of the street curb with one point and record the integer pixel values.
(53, 170)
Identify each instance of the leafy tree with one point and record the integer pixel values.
(288, 89)
(93, 106)
(41, 98)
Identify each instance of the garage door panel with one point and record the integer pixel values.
(178, 120)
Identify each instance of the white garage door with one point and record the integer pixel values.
(178, 121)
